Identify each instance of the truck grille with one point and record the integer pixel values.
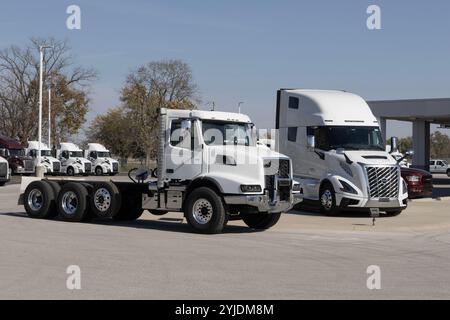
(29, 165)
(284, 168)
(56, 167)
(383, 181)
(115, 167)
(87, 167)
(3, 169)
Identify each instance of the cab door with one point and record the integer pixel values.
(184, 152)
(440, 167)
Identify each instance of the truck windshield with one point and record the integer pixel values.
(76, 154)
(347, 137)
(103, 154)
(17, 152)
(46, 153)
(227, 133)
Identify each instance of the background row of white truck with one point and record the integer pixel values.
(71, 160)
(212, 168)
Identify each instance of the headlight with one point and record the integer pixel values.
(250, 188)
(413, 178)
(347, 188)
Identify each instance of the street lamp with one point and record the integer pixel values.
(39, 169)
(239, 106)
(49, 114)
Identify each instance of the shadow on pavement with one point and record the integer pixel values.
(163, 224)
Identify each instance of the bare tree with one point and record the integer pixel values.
(162, 84)
(19, 89)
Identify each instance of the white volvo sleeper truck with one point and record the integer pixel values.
(101, 160)
(5, 172)
(209, 167)
(72, 160)
(338, 152)
(48, 161)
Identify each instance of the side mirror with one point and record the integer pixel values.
(311, 142)
(3, 153)
(394, 144)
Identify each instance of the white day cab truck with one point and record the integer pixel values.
(209, 167)
(338, 153)
(101, 160)
(50, 164)
(5, 172)
(72, 160)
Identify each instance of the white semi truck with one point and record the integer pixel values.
(101, 160)
(72, 160)
(338, 152)
(48, 161)
(5, 172)
(209, 167)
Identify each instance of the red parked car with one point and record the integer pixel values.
(420, 182)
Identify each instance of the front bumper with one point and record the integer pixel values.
(263, 203)
(345, 200)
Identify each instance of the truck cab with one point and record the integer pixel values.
(19, 162)
(101, 160)
(439, 166)
(338, 152)
(72, 160)
(48, 161)
(5, 172)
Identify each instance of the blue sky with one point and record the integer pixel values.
(246, 50)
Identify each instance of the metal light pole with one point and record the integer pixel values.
(49, 115)
(39, 169)
(239, 106)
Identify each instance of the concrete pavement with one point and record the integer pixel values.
(305, 256)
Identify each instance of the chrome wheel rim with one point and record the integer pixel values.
(102, 199)
(202, 211)
(327, 200)
(35, 200)
(70, 202)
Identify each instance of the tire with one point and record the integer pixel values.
(393, 213)
(261, 221)
(56, 190)
(448, 173)
(98, 171)
(39, 200)
(105, 200)
(130, 209)
(73, 202)
(2, 184)
(205, 211)
(327, 200)
(158, 212)
(70, 171)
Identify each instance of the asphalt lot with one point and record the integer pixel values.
(305, 256)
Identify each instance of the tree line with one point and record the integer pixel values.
(129, 129)
(439, 145)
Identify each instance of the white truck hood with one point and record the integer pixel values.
(368, 157)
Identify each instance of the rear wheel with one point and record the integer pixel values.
(73, 202)
(105, 200)
(2, 183)
(158, 212)
(56, 189)
(261, 221)
(448, 172)
(327, 200)
(39, 200)
(130, 209)
(205, 211)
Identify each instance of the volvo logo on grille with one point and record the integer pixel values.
(384, 180)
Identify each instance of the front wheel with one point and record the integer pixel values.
(261, 221)
(327, 200)
(70, 171)
(205, 211)
(98, 171)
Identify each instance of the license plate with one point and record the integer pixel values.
(375, 212)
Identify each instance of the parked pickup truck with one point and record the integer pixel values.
(210, 168)
(439, 166)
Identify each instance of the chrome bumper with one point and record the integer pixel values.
(263, 203)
